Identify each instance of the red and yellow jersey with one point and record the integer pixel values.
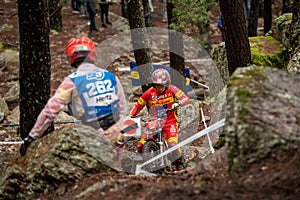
(159, 102)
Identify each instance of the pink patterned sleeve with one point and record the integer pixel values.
(54, 105)
(122, 102)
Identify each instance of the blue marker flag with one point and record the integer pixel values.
(135, 77)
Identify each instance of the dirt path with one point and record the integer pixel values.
(209, 180)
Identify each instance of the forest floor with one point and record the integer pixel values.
(208, 180)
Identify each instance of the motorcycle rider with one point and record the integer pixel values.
(93, 95)
(160, 97)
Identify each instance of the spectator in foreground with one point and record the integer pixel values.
(94, 95)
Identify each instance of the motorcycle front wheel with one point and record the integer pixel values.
(150, 150)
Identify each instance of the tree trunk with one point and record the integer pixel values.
(261, 8)
(139, 42)
(177, 66)
(267, 15)
(236, 34)
(253, 18)
(55, 7)
(34, 61)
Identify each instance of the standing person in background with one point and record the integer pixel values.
(84, 13)
(164, 12)
(151, 6)
(75, 6)
(93, 95)
(221, 28)
(104, 7)
(286, 7)
(247, 7)
(92, 10)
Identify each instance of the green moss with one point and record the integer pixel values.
(286, 17)
(220, 143)
(1, 45)
(256, 73)
(243, 96)
(251, 75)
(243, 92)
(283, 20)
(266, 51)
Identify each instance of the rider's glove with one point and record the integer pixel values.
(25, 144)
(175, 105)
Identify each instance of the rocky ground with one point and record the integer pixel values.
(208, 180)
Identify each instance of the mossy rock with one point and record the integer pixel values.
(283, 21)
(266, 51)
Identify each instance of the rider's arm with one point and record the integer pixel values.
(54, 105)
(183, 99)
(140, 104)
(122, 98)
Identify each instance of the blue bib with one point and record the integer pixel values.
(98, 92)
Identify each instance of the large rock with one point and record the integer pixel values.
(3, 109)
(11, 56)
(188, 118)
(293, 65)
(12, 96)
(286, 29)
(2, 63)
(263, 112)
(265, 51)
(220, 57)
(62, 157)
(279, 29)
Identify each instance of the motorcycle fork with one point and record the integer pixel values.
(161, 143)
(162, 149)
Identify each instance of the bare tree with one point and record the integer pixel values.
(177, 64)
(34, 61)
(267, 15)
(253, 18)
(139, 42)
(236, 42)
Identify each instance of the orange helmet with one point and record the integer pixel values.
(161, 76)
(80, 49)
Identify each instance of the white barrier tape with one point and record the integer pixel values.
(127, 69)
(200, 84)
(190, 60)
(188, 140)
(18, 142)
(208, 137)
(56, 123)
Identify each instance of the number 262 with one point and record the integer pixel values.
(99, 87)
